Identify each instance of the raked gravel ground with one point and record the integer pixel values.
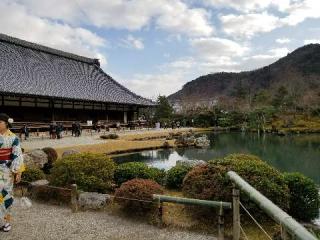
(46, 222)
(87, 138)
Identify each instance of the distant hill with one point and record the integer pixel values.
(298, 73)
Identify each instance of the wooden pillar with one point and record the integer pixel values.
(236, 213)
(125, 117)
(52, 109)
(221, 224)
(74, 198)
(160, 214)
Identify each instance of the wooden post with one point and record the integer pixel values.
(236, 213)
(160, 213)
(221, 224)
(74, 198)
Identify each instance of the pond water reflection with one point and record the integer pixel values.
(289, 153)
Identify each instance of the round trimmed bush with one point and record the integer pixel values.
(138, 189)
(158, 175)
(210, 182)
(304, 197)
(51, 153)
(32, 174)
(176, 174)
(131, 170)
(91, 172)
(52, 157)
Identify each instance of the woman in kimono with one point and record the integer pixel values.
(11, 167)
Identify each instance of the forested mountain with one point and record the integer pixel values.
(293, 80)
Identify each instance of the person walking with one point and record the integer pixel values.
(59, 130)
(73, 129)
(25, 131)
(11, 167)
(78, 129)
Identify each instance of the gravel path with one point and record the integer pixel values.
(48, 222)
(86, 139)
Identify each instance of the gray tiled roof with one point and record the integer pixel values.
(31, 69)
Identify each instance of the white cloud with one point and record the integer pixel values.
(249, 5)
(309, 41)
(213, 48)
(247, 25)
(16, 21)
(273, 54)
(172, 16)
(255, 18)
(283, 40)
(153, 85)
(183, 63)
(261, 60)
(132, 42)
(301, 10)
(177, 17)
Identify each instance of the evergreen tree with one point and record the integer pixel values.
(163, 110)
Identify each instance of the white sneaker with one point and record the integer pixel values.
(6, 227)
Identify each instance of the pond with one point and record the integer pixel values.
(292, 153)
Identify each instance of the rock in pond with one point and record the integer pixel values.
(202, 142)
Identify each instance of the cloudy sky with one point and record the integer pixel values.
(155, 46)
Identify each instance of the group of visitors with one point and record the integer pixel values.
(55, 130)
(96, 127)
(76, 129)
(173, 125)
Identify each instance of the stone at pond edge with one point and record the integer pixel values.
(69, 152)
(191, 163)
(93, 200)
(35, 158)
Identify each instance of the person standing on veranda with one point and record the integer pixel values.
(11, 167)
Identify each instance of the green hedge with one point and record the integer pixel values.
(176, 174)
(304, 197)
(91, 172)
(32, 174)
(209, 181)
(131, 170)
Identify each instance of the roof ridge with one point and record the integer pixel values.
(123, 87)
(42, 48)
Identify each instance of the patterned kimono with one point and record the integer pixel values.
(11, 161)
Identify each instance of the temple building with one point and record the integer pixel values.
(42, 84)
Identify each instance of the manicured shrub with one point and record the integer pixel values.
(209, 181)
(91, 172)
(137, 189)
(158, 175)
(304, 197)
(110, 136)
(176, 175)
(32, 174)
(51, 153)
(131, 170)
(52, 157)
